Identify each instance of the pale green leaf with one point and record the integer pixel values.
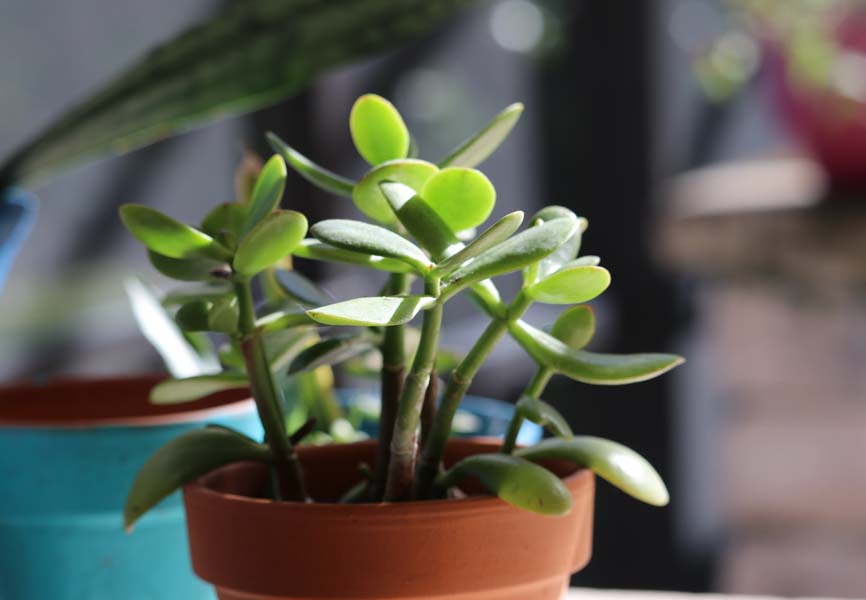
(462, 197)
(420, 220)
(378, 130)
(376, 310)
(267, 192)
(368, 197)
(575, 327)
(169, 237)
(271, 240)
(365, 238)
(316, 250)
(541, 413)
(495, 234)
(318, 176)
(476, 149)
(570, 286)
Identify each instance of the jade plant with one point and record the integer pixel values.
(421, 237)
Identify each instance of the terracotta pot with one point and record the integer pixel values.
(477, 548)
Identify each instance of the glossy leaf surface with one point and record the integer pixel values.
(330, 351)
(378, 130)
(316, 250)
(542, 413)
(618, 465)
(420, 220)
(477, 148)
(567, 251)
(575, 327)
(267, 192)
(169, 237)
(365, 238)
(368, 197)
(272, 239)
(318, 176)
(570, 286)
(495, 234)
(177, 391)
(376, 310)
(462, 197)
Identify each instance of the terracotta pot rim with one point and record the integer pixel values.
(421, 509)
(149, 415)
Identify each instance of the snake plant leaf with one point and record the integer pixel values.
(570, 286)
(368, 197)
(365, 238)
(169, 237)
(223, 315)
(618, 465)
(419, 219)
(193, 316)
(378, 130)
(298, 287)
(329, 352)
(225, 217)
(157, 326)
(189, 389)
(575, 327)
(497, 233)
(185, 459)
(267, 192)
(186, 269)
(590, 367)
(284, 319)
(270, 240)
(515, 480)
(316, 250)
(464, 198)
(523, 249)
(541, 413)
(249, 55)
(318, 176)
(209, 292)
(372, 311)
(476, 149)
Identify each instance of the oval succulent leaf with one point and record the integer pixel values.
(318, 176)
(378, 130)
(299, 288)
(272, 239)
(570, 286)
(169, 237)
(267, 192)
(562, 255)
(514, 253)
(193, 316)
(463, 198)
(618, 465)
(541, 413)
(575, 327)
(476, 149)
(420, 220)
(284, 319)
(229, 216)
(330, 351)
(590, 367)
(497, 233)
(376, 310)
(178, 391)
(515, 480)
(365, 238)
(316, 250)
(368, 197)
(185, 459)
(186, 269)
(223, 316)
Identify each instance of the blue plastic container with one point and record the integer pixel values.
(68, 453)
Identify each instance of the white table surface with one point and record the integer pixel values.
(591, 594)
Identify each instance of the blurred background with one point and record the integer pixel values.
(718, 150)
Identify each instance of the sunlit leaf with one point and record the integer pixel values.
(495, 234)
(316, 250)
(562, 255)
(365, 238)
(613, 462)
(378, 130)
(515, 480)
(330, 351)
(318, 176)
(272, 239)
(464, 198)
(476, 149)
(368, 197)
(177, 391)
(169, 237)
(570, 286)
(267, 192)
(590, 367)
(542, 413)
(575, 327)
(376, 310)
(185, 459)
(420, 220)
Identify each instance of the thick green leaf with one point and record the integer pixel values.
(177, 391)
(419, 219)
(180, 358)
(231, 358)
(168, 237)
(515, 480)
(283, 345)
(267, 192)
(297, 286)
(226, 217)
(542, 413)
(186, 269)
(622, 467)
(368, 197)
(590, 367)
(223, 316)
(378, 130)
(575, 327)
(272, 239)
(330, 351)
(523, 249)
(316, 250)
(476, 149)
(377, 310)
(185, 459)
(318, 176)
(570, 286)
(209, 292)
(495, 234)
(365, 238)
(464, 198)
(284, 319)
(193, 316)
(584, 261)
(562, 255)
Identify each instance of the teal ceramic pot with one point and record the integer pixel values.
(69, 450)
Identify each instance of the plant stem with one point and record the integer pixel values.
(286, 464)
(428, 410)
(534, 389)
(404, 443)
(458, 384)
(393, 350)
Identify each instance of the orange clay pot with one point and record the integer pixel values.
(477, 548)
